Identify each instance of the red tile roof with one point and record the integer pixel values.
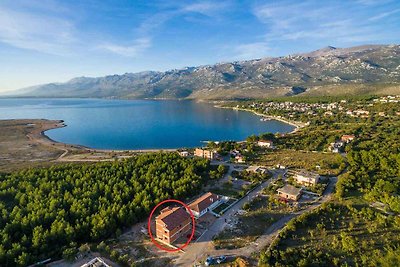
(204, 202)
(173, 217)
(348, 137)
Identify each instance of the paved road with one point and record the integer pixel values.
(272, 232)
(204, 245)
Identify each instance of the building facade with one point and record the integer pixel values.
(289, 192)
(307, 178)
(204, 153)
(172, 223)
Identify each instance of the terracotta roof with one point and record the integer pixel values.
(289, 190)
(173, 217)
(204, 202)
(348, 136)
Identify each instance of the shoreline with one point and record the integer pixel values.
(89, 149)
(46, 140)
(35, 132)
(296, 124)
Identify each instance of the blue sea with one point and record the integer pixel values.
(139, 124)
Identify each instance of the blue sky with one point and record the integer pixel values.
(53, 40)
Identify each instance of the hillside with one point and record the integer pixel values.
(330, 70)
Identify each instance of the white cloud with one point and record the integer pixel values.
(40, 33)
(311, 20)
(132, 50)
(251, 50)
(205, 7)
(385, 14)
(372, 2)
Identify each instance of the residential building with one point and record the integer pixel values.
(184, 153)
(306, 178)
(257, 169)
(266, 143)
(279, 166)
(240, 159)
(348, 138)
(205, 203)
(289, 192)
(172, 223)
(205, 153)
(336, 147)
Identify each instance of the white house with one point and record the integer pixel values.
(240, 159)
(205, 203)
(306, 177)
(336, 146)
(184, 153)
(257, 169)
(267, 143)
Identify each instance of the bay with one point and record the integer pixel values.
(139, 124)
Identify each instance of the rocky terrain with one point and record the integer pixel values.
(362, 69)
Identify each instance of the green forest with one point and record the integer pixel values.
(337, 235)
(350, 231)
(50, 211)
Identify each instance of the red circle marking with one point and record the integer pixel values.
(149, 223)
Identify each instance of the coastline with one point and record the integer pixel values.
(36, 133)
(298, 125)
(44, 139)
(35, 136)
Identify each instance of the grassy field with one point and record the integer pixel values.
(330, 164)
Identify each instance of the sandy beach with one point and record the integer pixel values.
(296, 124)
(24, 143)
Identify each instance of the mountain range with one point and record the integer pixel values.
(327, 71)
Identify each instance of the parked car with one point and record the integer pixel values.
(221, 259)
(209, 261)
(215, 260)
